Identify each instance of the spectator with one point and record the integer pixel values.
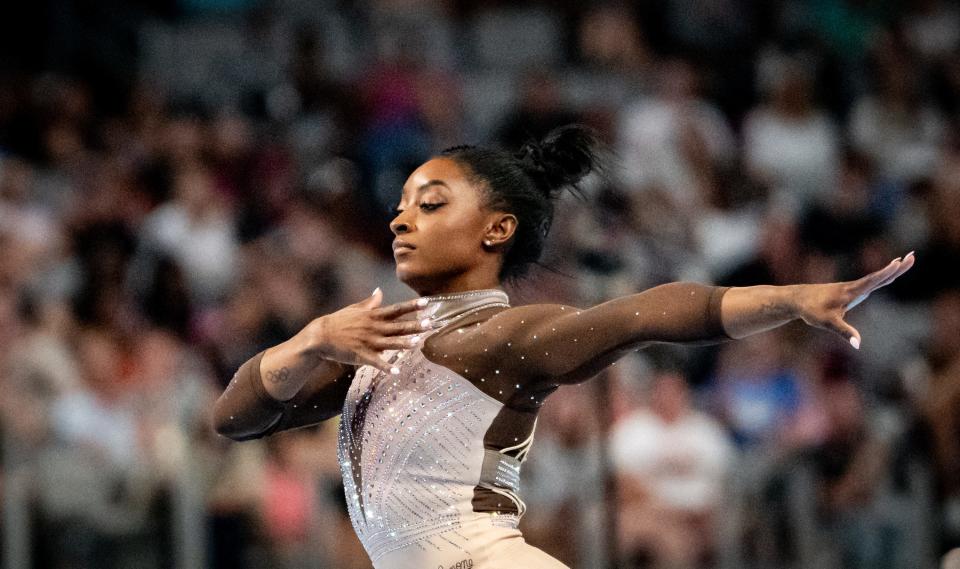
(539, 110)
(789, 143)
(672, 462)
(197, 230)
(755, 391)
(675, 140)
(895, 125)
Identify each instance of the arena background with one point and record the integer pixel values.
(186, 182)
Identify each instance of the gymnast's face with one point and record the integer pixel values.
(440, 228)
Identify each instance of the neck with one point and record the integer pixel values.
(448, 306)
(459, 283)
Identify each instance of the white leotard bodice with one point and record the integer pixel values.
(411, 452)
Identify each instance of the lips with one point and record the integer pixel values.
(402, 247)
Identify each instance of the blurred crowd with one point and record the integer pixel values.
(186, 182)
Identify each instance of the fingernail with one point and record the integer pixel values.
(855, 342)
(375, 291)
(425, 323)
(910, 254)
(414, 340)
(421, 302)
(395, 370)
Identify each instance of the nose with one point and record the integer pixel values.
(397, 226)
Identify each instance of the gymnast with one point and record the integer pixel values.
(439, 395)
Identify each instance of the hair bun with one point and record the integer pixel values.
(563, 158)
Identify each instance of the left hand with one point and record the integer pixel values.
(825, 305)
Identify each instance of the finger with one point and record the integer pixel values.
(394, 343)
(848, 332)
(372, 301)
(869, 282)
(373, 359)
(399, 309)
(905, 265)
(405, 327)
(902, 267)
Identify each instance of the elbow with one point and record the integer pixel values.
(227, 424)
(223, 425)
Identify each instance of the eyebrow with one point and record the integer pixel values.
(433, 183)
(430, 184)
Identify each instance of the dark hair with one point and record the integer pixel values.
(527, 182)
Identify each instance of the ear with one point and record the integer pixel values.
(500, 229)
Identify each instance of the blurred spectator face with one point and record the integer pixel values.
(678, 81)
(16, 177)
(669, 397)
(540, 94)
(194, 189)
(159, 355)
(184, 140)
(570, 417)
(853, 193)
(897, 81)
(9, 319)
(440, 102)
(609, 36)
(232, 138)
(844, 408)
(946, 324)
(63, 143)
(246, 311)
(100, 362)
(779, 239)
(945, 209)
(792, 91)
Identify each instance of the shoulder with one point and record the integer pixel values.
(503, 340)
(529, 316)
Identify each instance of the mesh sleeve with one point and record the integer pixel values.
(246, 411)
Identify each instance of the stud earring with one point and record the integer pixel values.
(488, 243)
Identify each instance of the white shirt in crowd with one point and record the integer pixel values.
(683, 463)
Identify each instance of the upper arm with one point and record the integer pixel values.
(566, 344)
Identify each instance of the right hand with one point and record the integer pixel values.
(358, 333)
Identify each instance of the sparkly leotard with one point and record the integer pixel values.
(412, 453)
(431, 456)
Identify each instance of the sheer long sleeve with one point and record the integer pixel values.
(565, 344)
(246, 411)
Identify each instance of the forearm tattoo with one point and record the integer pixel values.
(277, 376)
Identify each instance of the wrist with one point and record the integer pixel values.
(313, 340)
(791, 301)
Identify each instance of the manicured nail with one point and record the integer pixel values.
(375, 291)
(421, 302)
(910, 254)
(395, 370)
(425, 323)
(414, 340)
(855, 342)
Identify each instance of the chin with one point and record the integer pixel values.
(420, 280)
(408, 276)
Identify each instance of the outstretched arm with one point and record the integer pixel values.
(304, 380)
(754, 309)
(563, 344)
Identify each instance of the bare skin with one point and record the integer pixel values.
(448, 241)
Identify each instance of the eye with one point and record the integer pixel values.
(430, 206)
